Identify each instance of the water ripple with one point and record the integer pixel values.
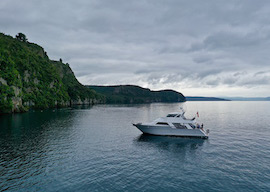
(97, 149)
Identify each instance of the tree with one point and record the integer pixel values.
(61, 60)
(21, 37)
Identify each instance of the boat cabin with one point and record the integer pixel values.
(175, 120)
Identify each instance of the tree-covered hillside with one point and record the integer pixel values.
(136, 94)
(29, 79)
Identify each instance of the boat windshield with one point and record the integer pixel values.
(162, 123)
(171, 115)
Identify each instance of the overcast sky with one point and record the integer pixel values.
(203, 47)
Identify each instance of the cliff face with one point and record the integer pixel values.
(29, 79)
(136, 94)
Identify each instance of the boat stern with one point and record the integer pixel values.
(205, 133)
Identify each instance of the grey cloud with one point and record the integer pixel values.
(240, 79)
(213, 82)
(234, 40)
(202, 59)
(144, 71)
(262, 73)
(174, 44)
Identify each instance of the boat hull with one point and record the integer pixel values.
(168, 131)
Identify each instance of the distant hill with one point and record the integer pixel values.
(205, 99)
(248, 98)
(136, 94)
(29, 79)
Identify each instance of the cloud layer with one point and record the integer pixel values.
(210, 48)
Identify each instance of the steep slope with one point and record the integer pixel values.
(29, 79)
(136, 94)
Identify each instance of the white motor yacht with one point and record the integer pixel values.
(174, 124)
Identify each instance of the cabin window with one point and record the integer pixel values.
(191, 125)
(162, 123)
(179, 126)
(171, 115)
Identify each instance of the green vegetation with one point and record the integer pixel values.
(28, 78)
(6, 93)
(136, 94)
(21, 37)
(76, 90)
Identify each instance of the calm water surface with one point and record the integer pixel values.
(97, 149)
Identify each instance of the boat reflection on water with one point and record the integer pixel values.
(171, 143)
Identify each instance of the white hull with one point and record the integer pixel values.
(168, 131)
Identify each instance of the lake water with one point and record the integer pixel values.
(97, 149)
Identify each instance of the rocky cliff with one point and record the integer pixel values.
(29, 79)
